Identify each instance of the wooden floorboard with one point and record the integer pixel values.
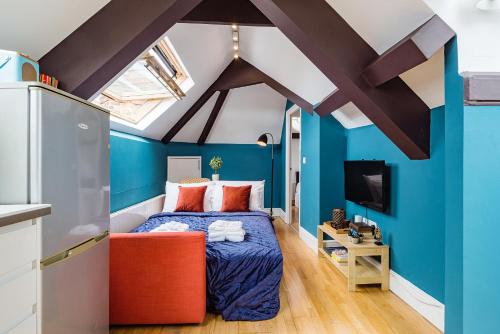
(314, 299)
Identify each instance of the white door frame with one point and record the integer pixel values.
(288, 200)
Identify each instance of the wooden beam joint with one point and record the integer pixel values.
(332, 102)
(239, 73)
(411, 51)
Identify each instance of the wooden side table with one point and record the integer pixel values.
(358, 270)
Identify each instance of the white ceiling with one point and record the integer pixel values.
(479, 50)
(272, 52)
(206, 51)
(34, 27)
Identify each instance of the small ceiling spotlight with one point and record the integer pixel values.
(236, 40)
(489, 5)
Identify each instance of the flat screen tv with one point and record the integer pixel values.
(367, 183)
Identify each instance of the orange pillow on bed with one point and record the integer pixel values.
(236, 199)
(191, 199)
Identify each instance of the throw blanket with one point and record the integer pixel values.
(243, 278)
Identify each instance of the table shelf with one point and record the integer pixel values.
(357, 269)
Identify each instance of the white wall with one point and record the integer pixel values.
(477, 32)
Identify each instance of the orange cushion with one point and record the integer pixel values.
(191, 199)
(236, 199)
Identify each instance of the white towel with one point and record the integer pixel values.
(171, 226)
(235, 236)
(221, 230)
(226, 225)
(218, 225)
(216, 236)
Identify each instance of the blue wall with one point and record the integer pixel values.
(481, 189)
(310, 173)
(454, 116)
(415, 225)
(248, 162)
(139, 166)
(138, 169)
(323, 145)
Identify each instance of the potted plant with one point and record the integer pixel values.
(216, 164)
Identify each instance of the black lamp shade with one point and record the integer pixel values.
(262, 141)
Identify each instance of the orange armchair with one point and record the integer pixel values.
(157, 278)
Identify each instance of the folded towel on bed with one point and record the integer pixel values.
(171, 226)
(216, 236)
(229, 230)
(235, 236)
(226, 225)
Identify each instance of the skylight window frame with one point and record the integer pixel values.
(180, 83)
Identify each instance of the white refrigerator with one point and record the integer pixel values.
(54, 149)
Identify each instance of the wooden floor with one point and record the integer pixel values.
(314, 299)
(295, 218)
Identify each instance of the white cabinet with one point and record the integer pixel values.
(19, 265)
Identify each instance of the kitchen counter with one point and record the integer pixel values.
(12, 214)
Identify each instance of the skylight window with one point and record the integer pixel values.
(148, 88)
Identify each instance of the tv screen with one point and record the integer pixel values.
(366, 183)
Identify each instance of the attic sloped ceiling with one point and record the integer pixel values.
(34, 27)
(206, 50)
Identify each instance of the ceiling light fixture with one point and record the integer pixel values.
(236, 40)
(489, 5)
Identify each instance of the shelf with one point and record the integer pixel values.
(342, 266)
(366, 273)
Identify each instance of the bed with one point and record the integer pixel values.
(243, 278)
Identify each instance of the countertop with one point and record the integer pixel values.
(16, 213)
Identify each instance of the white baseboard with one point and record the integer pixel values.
(423, 303)
(310, 240)
(277, 212)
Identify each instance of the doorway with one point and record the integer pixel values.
(293, 157)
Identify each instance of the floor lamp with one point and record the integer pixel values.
(262, 141)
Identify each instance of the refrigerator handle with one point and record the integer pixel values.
(72, 252)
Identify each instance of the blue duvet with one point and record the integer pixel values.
(243, 278)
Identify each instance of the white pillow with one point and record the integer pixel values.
(256, 194)
(172, 195)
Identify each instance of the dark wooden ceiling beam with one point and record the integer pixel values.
(331, 103)
(341, 54)
(188, 115)
(242, 12)
(213, 116)
(109, 41)
(239, 73)
(411, 51)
